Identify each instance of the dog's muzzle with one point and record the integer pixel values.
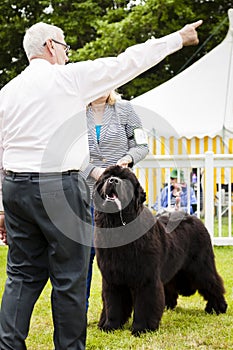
(114, 180)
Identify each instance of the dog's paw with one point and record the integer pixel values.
(138, 332)
(138, 329)
(217, 307)
(170, 304)
(170, 307)
(108, 327)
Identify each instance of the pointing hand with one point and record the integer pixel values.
(189, 34)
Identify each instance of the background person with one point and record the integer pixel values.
(178, 194)
(46, 200)
(115, 136)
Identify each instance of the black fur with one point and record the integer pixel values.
(144, 268)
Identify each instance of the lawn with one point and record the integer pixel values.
(187, 327)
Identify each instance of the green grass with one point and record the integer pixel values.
(187, 327)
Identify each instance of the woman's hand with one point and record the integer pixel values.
(125, 161)
(97, 172)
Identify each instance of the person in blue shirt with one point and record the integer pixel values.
(178, 194)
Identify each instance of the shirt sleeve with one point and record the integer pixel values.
(163, 199)
(105, 74)
(193, 199)
(86, 172)
(136, 151)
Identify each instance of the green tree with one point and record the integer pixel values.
(157, 18)
(14, 19)
(107, 27)
(76, 18)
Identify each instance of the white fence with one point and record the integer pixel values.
(215, 207)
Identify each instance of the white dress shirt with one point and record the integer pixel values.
(42, 110)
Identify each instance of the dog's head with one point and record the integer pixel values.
(118, 189)
(120, 216)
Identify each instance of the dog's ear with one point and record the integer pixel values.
(141, 194)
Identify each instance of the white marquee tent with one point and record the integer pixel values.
(198, 102)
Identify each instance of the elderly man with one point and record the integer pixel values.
(45, 200)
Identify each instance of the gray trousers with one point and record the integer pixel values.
(48, 226)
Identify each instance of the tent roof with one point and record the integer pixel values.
(198, 101)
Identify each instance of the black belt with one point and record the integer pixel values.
(38, 175)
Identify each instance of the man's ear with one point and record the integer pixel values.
(50, 47)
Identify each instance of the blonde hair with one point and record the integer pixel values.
(113, 97)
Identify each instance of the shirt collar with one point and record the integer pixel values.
(39, 61)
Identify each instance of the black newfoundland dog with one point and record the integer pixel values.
(145, 265)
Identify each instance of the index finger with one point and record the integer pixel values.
(197, 23)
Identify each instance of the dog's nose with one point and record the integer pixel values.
(114, 180)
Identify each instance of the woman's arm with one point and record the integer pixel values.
(137, 138)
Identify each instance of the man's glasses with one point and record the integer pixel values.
(67, 47)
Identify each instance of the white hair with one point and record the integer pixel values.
(36, 36)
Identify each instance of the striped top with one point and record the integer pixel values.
(117, 138)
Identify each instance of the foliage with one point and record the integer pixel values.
(187, 327)
(107, 27)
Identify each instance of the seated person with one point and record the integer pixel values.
(178, 195)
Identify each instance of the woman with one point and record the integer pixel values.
(115, 136)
